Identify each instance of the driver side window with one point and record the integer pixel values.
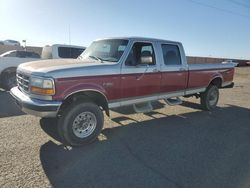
(141, 53)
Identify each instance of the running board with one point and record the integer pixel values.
(173, 102)
(143, 107)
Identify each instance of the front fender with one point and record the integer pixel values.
(64, 90)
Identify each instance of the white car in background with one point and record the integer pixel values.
(58, 51)
(8, 64)
(10, 42)
(11, 59)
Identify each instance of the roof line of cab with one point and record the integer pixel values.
(138, 38)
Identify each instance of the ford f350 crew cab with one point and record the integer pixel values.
(112, 73)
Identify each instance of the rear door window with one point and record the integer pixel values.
(171, 54)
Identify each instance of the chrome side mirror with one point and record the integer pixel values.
(146, 60)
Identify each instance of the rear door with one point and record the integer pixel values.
(140, 79)
(174, 70)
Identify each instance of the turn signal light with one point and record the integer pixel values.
(42, 91)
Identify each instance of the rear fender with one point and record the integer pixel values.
(216, 78)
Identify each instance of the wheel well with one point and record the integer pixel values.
(93, 96)
(216, 81)
(7, 71)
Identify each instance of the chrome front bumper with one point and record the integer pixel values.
(41, 108)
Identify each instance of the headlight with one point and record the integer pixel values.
(42, 86)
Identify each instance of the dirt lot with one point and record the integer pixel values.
(179, 146)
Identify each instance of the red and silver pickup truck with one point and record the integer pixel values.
(112, 73)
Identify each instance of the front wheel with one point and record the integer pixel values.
(210, 97)
(80, 123)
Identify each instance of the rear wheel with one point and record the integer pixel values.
(80, 123)
(210, 97)
(9, 80)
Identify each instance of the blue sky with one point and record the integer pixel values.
(206, 28)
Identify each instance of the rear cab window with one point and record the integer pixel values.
(69, 52)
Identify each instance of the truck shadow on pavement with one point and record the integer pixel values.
(8, 107)
(198, 149)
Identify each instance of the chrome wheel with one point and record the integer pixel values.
(213, 97)
(84, 124)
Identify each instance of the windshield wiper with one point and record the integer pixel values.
(96, 58)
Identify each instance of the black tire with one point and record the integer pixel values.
(68, 122)
(8, 80)
(210, 97)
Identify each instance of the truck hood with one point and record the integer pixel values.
(54, 64)
(63, 67)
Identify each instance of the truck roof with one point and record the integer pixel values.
(65, 45)
(133, 38)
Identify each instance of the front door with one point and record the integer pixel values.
(140, 75)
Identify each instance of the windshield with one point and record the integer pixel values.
(105, 50)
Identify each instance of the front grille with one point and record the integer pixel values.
(23, 82)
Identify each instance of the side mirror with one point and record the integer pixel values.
(146, 60)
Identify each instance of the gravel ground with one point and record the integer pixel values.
(178, 146)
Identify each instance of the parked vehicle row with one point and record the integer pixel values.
(230, 61)
(10, 60)
(238, 63)
(112, 73)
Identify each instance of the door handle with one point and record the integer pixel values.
(155, 70)
(182, 69)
